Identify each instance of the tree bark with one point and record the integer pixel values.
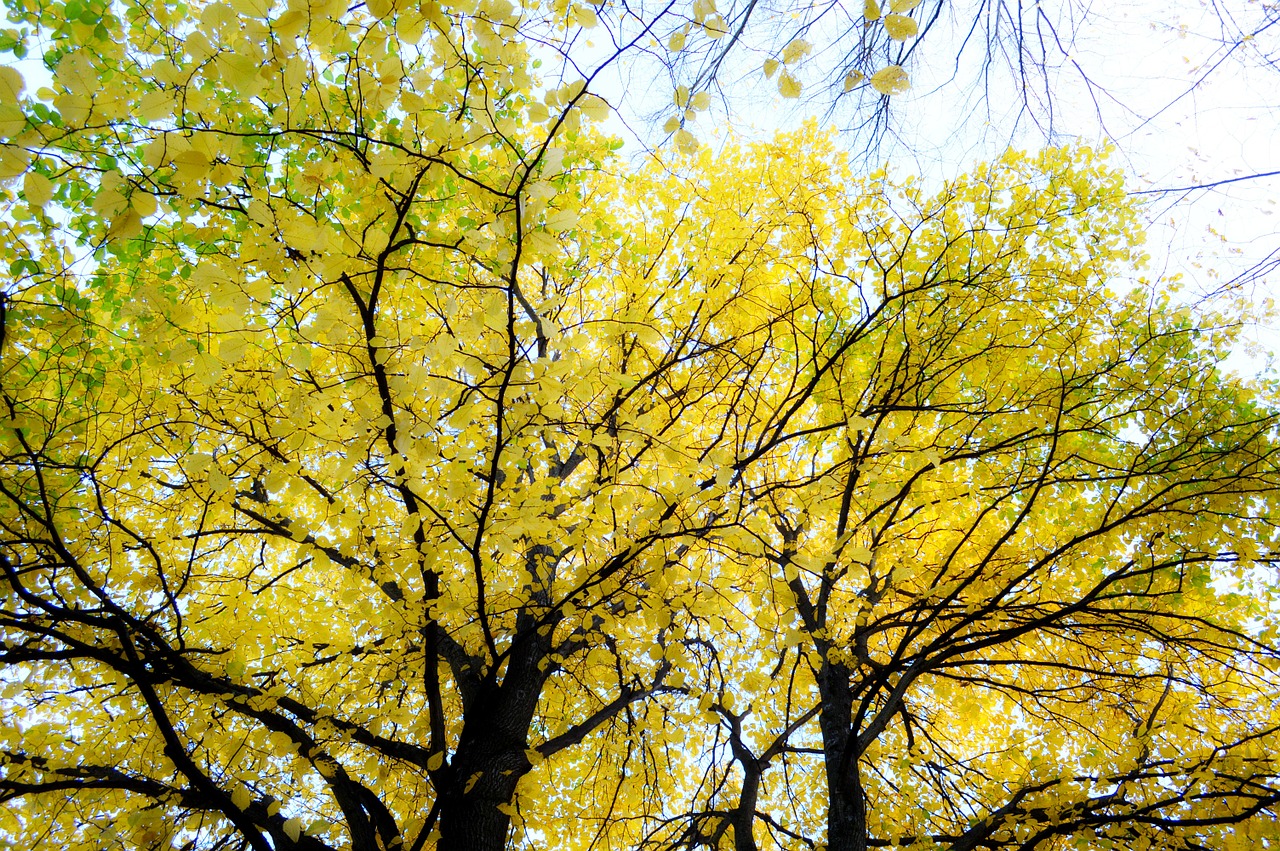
(744, 814)
(491, 754)
(846, 805)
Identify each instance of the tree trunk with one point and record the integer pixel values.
(744, 814)
(846, 805)
(491, 755)
(470, 818)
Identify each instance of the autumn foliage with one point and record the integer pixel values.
(385, 462)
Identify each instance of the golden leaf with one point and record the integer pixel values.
(795, 51)
(788, 85)
(892, 80)
(11, 85)
(900, 27)
(37, 189)
(715, 27)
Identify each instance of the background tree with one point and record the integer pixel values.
(385, 466)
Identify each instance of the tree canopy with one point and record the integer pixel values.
(386, 463)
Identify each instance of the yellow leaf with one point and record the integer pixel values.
(143, 203)
(126, 226)
(11, 85)
(12, 121)
(676, 43)
(241, 798)
(232, 348)
(292, 22)
(671, 125)
(219, 482)
(594, 107)
(37, 188)
(771, 68)
(871, 10)
(436, 760)
(852, 79)
(13, 161)
(715, 27)
(795, 51)
(241, 73)
(585, 18)
(700, 101)
(74, 108)
(191, 165)
(410, 25)
(900, 27)
(251, 8)
(686, 141)
(899, 7)
(682, 96)
(891, 81)
(788, 85)
(155, 104)
(292, 828)
(222, 174)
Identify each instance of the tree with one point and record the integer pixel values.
(385, 465)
